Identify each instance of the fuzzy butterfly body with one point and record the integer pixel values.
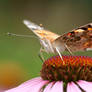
(79, 39)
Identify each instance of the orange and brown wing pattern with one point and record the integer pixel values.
(44, 34)
(79, 39)
(40, 31)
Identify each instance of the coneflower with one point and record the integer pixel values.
(73, 74)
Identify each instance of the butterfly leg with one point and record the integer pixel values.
(68, 49)
(59, 53)
(50, 46)
(41, 55)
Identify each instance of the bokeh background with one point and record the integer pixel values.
(19, 59)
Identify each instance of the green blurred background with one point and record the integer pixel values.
(19, 59)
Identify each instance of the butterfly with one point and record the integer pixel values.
(79, 39)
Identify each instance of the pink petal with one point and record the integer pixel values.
(33, 85)
(72, 87)
(31, 82)
(57, 87)
(87, 86)
(38, 87)
(48, 87)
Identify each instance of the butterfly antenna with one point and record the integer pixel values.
(18, 35)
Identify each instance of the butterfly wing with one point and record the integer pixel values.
(79, 39)
(40, 31)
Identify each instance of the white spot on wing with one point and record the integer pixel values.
(79, 30)
(88, 49)
(32, 25)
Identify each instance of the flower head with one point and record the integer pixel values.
(73, 74)
(74, 68)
